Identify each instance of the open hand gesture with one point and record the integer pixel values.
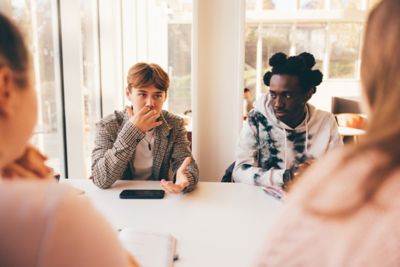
(182, 180)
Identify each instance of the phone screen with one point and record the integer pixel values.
(141, 194)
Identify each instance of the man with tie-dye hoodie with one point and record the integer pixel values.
(283, 131)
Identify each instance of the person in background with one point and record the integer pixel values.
(345, 209)
(143, 141)
(43, 223)
(247, 102)
(283, 132)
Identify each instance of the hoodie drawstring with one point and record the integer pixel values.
(306, 141)
(306, 148)
(285, 148)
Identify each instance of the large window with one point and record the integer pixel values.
(160, 31)
(38, 21)
(91, 89)
(329, 29)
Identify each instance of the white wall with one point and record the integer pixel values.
(218, 56)
(322, 98)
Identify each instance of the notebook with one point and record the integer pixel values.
(149, 249)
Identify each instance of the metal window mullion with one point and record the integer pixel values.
(360, 46)
(96, 109)
(58, 81)
(327, 4)
(73, 97)
(364, 4)
(292, 36)
(259, 61)
(327, 54)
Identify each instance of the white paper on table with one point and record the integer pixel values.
(149, 249)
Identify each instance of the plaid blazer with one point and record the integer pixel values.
(116, 141)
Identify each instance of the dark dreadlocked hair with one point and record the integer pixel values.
(300, 66)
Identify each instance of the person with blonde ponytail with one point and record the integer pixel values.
(345, 210)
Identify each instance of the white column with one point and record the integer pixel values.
(218, 61)
(72, 77)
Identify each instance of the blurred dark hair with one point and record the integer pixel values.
(13, 51)
(300, 66)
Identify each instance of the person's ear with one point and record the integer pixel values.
(6, 91)
(128, 92)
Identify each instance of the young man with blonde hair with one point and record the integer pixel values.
(143, 141)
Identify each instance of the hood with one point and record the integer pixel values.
(263, 105)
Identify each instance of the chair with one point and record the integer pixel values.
(349, 118)
(345, 105)
(227, 178)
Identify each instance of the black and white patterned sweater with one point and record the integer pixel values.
(267, 146)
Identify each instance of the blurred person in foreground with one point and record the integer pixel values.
(344, 211)
(42, 222)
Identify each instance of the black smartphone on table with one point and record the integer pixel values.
(142, 194)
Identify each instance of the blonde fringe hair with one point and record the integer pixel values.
(147, 74)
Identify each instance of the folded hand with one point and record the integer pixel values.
(31, 165)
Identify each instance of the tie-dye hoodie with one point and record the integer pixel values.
(267, 146)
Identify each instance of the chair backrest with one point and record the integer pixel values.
(227, 178)
(345, 105)
(347, 112)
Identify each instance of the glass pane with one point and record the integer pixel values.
(165, 39)
(37, 20)
(311, 38)
(250, 61)
(91, 76)
(345, 45)
(178, 9)
(275, 38)
(279, 4)
(311, 4)
(251, 5)
(179, 55)
(179, 66)
(346, 4)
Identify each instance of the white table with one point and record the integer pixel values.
(348, 131)
(219, 224)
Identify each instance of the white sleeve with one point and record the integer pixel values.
(246, 168)
(335, 139)
(77, 235)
